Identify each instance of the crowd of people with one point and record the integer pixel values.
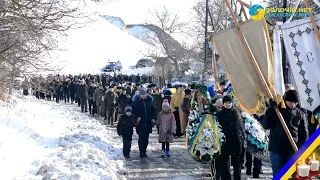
(127, 101)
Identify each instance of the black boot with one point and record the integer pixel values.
(248, 172)
(255, 174)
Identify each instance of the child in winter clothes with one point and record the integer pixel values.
(125, 129)
(167, 127)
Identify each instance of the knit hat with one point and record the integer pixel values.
(128, 109)
(292, 96)
(227, 98)
(142, 91)
(165, 103)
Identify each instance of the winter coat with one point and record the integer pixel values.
(144, 109)
(297, 124)
(123, 101)
(129, 91)
(185, 106)
(184, 112)
(83, 91)
(91, 92)
(95, 96)
(233, 127)
(176, 101)
(65, 85)
(110, 99)
(167, 126)
(72, 89)
(157, 102)
(125, 126)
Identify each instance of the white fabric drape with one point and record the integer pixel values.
(277, 56)
(303, 51)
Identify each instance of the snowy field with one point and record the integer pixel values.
(65, 143)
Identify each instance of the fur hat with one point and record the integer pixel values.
(292, 96)
(165, 103)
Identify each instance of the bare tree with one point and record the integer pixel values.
(167, 49)
(28, 33)
(219, 19)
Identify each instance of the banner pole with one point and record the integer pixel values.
(255, 64)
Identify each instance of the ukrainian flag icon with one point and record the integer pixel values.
(256, 12)
(309, 153)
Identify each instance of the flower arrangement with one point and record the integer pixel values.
(205, 136)
(257, 140)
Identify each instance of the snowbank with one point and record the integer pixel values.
(65, 143)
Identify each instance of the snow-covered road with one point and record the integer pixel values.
(68, 144)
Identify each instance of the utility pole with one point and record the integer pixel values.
(284, 54)
(206, 36)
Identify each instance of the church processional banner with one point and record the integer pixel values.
(303, 50)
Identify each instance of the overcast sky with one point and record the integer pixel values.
(137, 11)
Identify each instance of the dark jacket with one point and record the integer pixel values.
(232, 125)
(185, 106)
(110, 100)
(125, 126)
(157, 103)
(90, 92)
(297, 124)
(83, 91)
(65, 85)
(72, 88)
(123, 101)
(144, 109)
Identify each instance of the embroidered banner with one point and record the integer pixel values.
(244, 78)
(304, 55)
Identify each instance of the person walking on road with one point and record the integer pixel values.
(167, 127)
(144, 111)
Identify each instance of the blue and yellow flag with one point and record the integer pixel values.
(309, 150)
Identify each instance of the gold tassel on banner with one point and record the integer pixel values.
(283, 104)
(313, 120)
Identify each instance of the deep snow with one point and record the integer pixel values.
(87, 49)
(73, 145)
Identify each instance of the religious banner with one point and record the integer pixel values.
(303, 50)
(262, 107)
(247, 86)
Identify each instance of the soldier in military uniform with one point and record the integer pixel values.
(116, 113)
(110, 99)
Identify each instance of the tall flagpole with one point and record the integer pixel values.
(206, 34)
(284, 55)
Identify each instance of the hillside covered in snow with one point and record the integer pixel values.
(87, 49)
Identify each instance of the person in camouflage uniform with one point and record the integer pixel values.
(116, 114)
(100, 103)
(97, 99)
(110, 100)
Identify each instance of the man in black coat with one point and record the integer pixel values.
(296, 121)
(72, 90)
(232, 125)
(83, 95)
(144, 111)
